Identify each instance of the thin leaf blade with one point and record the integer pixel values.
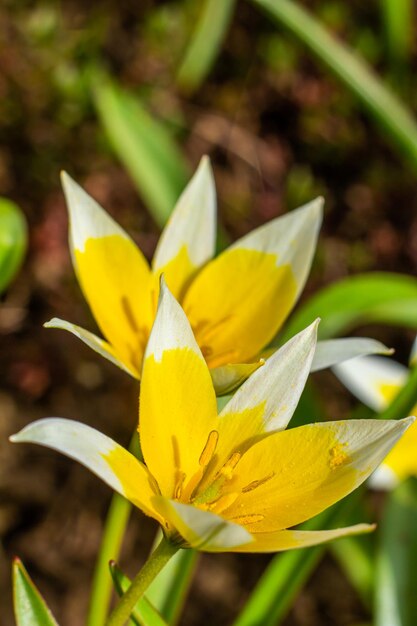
(210, 30)
(395, 597)
(352, 71)
(29, 606)
(143, 145)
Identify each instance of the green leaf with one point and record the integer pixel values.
(210, 30)
(399, 27)
(29, 607)
(377, 297)
(144, 613)
(13, 241)
(397, 121)
(396, 573)
(143, 145)
(169, 589)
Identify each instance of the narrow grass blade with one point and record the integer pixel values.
(13, 241)
(211, 28)
(395, 597)
(399, 27)
(143, 145)
(29, 606)
(357, 76)
(376, 297)
(144, 613)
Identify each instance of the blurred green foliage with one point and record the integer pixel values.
(13, 241)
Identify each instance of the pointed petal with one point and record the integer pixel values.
(267, 400)
(202, 530)
(92, 341)
(401, 462)
(100, 454)
(120, 299)
(189, 239)
(292, 539)
(373, 380)
(290, 476)
(177, 405)
(227, 378)
(334, 351)
(238, 302)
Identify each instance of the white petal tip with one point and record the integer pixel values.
(52, 323)
(18, 437)
(67, 181)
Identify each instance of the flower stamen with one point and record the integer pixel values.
(257, 483)
(209, 449)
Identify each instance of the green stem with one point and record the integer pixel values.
(114, 530)
(157, 560)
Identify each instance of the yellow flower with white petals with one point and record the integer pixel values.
(237, 481)
(376, 381)
(236, 303)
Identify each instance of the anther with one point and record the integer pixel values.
(248, 519)
(229, 466)
(257, 483)
(223, 503)
(179, 482)
(209, 449)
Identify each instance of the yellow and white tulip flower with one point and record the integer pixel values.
(236, 303)
(237, 481)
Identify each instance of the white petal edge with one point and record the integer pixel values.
(292, 237)
(92, 341)
(90, 448)
(333, 351)
(295, 539)
(192, 222)
(88, 220)
(171, 328)
(280, 382)
(202, 530)
(366, 375)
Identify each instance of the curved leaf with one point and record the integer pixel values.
(376, 297)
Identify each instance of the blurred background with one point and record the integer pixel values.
(281, 126)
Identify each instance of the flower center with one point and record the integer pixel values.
(215, 497)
